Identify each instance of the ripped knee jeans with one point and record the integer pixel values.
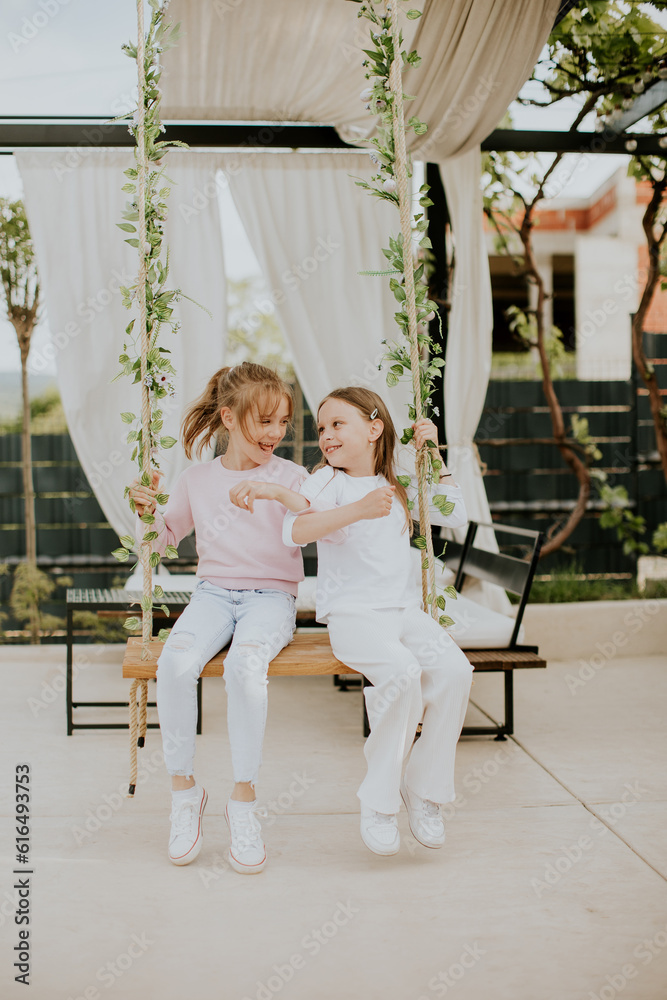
(259, 623)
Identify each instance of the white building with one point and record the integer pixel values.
(592, 256)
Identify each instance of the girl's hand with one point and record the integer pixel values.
(245, 494)
(425, 430)
(144, 496)
(377, 503)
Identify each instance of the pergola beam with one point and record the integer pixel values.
(608, 141)
(67, 134)
(84, 133)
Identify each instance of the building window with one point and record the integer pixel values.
(563, 298)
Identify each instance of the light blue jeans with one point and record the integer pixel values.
(261, 623)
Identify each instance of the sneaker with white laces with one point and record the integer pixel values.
(247, 853)
(185, 838)
(425, 819)
(379, 831)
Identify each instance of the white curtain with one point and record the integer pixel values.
(313, 231)
(300, 60)
(276, 61)
(468, 355)
(476, 56)
(73, 203)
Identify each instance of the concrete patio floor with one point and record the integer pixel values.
(552, 884)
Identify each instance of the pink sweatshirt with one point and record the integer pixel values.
(237, 550)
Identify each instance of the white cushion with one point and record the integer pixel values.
(305, 598)
(476, 627)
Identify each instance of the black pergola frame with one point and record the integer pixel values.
(24, 132)
(73, 133)
(78, 132)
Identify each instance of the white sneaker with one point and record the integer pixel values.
(379, 831)
(185, 839)
(247, 853)
(425, 819)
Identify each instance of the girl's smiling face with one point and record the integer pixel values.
(346, 437)
(257, 441)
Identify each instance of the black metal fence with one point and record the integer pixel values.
(529, 485)
(527, 482)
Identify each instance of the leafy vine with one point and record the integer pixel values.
(143, 358)
(406, 275)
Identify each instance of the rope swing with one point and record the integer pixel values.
(143, 360)
(150, 364)
(142, 169)
(138, 730)
(402, 175)
(393, 183)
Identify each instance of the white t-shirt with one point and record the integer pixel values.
(367, 563)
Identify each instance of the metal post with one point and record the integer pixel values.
(68, 690)
(199, 705)
(633, 462)
(508, 728)
(366, 724)
(439, 278)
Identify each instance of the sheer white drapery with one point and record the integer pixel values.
(302, 62)
(298, 62)
(82, 261)
(468, 354)
(313, 231)
(290, 60)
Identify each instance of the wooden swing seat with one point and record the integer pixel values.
(309, 653)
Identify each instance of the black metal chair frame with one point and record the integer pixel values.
(120, 601)
(508, 572)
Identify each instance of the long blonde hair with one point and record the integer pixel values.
(367, 401)
(242, 388)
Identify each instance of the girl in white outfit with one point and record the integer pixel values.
(368, 597)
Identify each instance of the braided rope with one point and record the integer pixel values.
(143, 710)
(142, 166)
(405, 208)
(133, 737)
(146, 547)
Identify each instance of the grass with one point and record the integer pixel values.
(46, 416)
(569, 585)
(521, 366)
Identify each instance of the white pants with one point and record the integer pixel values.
(261, 622)
(417, 670)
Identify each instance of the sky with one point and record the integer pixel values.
(63, 57)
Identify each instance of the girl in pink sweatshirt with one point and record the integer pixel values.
(246, 593)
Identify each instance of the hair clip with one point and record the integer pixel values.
(374, 413)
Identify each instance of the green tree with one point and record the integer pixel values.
(514, 187)
(20, 283)
(30, 589)
(47, 416)
(602, 55)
